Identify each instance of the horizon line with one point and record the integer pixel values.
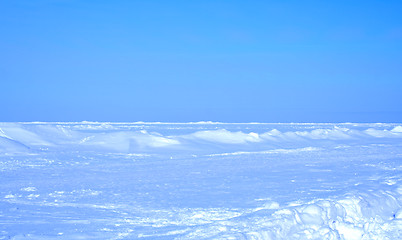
(191, 122)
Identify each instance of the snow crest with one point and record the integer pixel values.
(139, 138)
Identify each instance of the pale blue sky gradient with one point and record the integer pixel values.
(178, 61)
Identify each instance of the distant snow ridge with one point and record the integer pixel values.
(138, 138)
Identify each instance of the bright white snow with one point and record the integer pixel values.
(204, 180)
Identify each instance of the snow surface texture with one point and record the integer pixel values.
(200, 181)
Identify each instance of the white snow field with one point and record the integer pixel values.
(205, 180)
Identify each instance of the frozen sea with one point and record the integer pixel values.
(205, 180)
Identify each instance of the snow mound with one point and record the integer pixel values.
(397, 129)
(225, 136)
(364, 216)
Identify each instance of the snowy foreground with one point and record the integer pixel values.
(200, 181)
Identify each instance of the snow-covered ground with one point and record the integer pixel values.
(200, 181)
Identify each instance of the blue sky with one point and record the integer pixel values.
(178, 61)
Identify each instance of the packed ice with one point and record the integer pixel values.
(200, 180)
